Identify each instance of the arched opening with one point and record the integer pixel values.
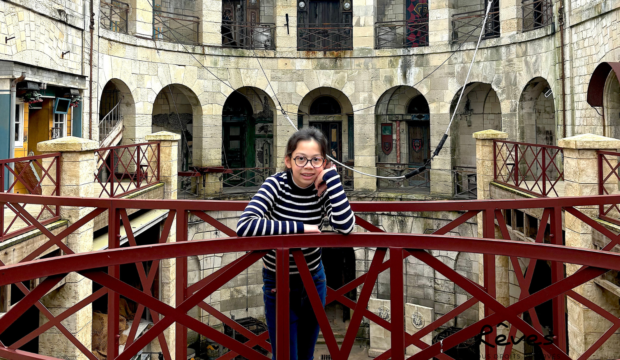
(325, 105)
(175, 109)
(611, 101)
(479, 110)
(116, 110)
(403, 130)
(339, 266)
(330, 111)
(537, 123)
(247, 134)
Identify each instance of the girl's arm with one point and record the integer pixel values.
(337, 205)
(254, 222)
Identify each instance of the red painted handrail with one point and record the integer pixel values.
(33, 169)
(400, 246)
(122, 170)
(531, 168)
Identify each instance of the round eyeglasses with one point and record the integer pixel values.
(316, 162)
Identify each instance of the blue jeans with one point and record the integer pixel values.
(304, 329)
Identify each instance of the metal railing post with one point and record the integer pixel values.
(181, 284)
(516, 166)
(139, 168)
(112, 173)
(557, 274)
(282, 304)
(488, 232)
(544, 170)
(114, 237)
(397, 303)
(601, 185)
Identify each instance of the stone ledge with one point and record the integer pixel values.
(163, 136)
(67, 144)
(589, 142)
(32, 234)
(490, 135)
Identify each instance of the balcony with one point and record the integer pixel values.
(536, 14)
(401, 34)
(248, 36)
(176, 28)
(114, 16)
(467, 26)
(325, 37)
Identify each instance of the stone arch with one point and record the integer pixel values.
(175, 109)
(480, 109)
(341, 141)
(537, 114)
(248, 127)
(115, 92)
(402, 118)
(611, 105)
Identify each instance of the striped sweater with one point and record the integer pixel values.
(281, 207)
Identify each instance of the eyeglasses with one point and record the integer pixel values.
(316, 162)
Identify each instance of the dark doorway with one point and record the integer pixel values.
(238, 130)
(540, 280)
(25, 324)
(333, 133)
(325, 105)
(339, 266)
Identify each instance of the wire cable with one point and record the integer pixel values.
(407, 176)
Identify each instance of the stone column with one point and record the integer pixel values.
(510, 15)
(364, 26)
(581, 179)
(286, 40)
(210, 12)
(484, 170)
(141, 19)
(439, 21)
(76, 180)
(168, 160)
(364, 150)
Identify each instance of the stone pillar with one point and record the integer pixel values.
(364, 150)
(581, 179)
(439, 21)
(484, 170)
(168, 160)
(210, 12)
(286, 40)
(364, 26)
(76, 180)
(510, 15)
(141, 19)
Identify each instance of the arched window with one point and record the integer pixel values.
(325, 105)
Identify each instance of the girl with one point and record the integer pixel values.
(296, 201)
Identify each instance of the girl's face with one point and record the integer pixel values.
(305, 175)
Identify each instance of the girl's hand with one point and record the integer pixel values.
(320, 185)
(311, 229)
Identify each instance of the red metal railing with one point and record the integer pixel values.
(38, 175)
(608, 176)
(124, 169)
(401, 246)
(535, 169)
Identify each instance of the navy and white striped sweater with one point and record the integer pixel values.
(281, 207)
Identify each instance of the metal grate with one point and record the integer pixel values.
(326, 357)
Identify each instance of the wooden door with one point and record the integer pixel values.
(419, 147)
(234, 144)
(324, 14)
(39, 125)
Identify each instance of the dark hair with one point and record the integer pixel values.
(305, 134)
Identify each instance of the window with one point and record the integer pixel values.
(19, 125)
(60, 126)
